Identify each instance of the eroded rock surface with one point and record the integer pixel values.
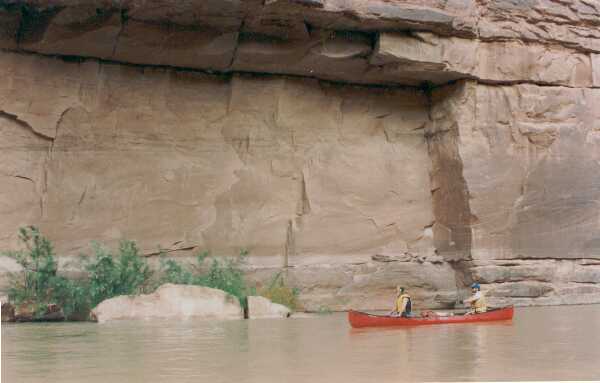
(356, 41)
(148, 126)
(528, 160)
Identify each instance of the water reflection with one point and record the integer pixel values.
(541, 343)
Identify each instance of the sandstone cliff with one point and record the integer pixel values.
(357, 144)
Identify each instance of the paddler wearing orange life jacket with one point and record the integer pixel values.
(403, 304)
(477, 300)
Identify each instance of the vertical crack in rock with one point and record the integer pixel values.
(25, 125)
(449, 108)
(290, 244)
(304, 205)
(121, 29)
(83, 197)
(56, 128)
(237, 45)
(35, 188)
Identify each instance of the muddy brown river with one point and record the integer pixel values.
(542, 343)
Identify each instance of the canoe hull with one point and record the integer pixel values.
(359, 319)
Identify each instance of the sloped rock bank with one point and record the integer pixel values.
(468, 153)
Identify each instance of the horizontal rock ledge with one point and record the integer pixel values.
(287, 37)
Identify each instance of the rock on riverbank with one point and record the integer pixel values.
(171, 302)
(261, 307)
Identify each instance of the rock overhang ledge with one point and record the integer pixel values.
(372, 42)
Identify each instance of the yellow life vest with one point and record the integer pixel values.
(480, 305)
(400, 300)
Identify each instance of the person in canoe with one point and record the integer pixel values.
(476, 301)
(403, 304)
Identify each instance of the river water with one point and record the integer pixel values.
(541, 343)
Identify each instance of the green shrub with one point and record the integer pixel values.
(127, 273)
(277, 291)
(73, 297)
(110, 275)
(226, 275)
(39, 267)
(173, 272)
(39, 285)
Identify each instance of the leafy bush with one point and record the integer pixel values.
(110, 275)
(73, 297)
(226, 275)
(278, 292)
(127, 273)
(39, 285)
(39, 267)
(173, 272)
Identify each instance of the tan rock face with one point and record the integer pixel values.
(573, 23)
(314, 176)
(141, 154)
(528, 155)
(494, 62)
(527, 158)
(172, 302)
(273, 165)
(371, 284)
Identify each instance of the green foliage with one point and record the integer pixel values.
(39, 284)
(278, 292)
(72, 296)
(127, 273)
(173, 272)
(109, 275)
(226, 275)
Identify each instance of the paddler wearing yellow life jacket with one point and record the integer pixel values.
(477, 300)
(403, 304)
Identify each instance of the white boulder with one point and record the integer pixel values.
(171, 302)
(261, 307)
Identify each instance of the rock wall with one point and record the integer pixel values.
(297, 171)
(529, 161)
(467, 152)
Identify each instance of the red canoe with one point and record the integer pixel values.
(361, 319)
